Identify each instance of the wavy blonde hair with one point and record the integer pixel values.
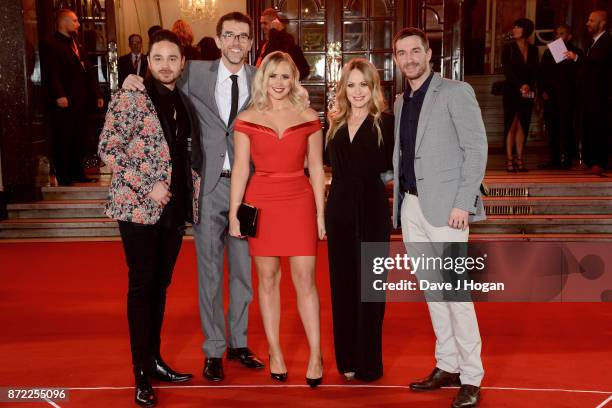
(259, 89)
(342, 107)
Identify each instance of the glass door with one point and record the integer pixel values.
(306, 21)
(368, 27)
(363, 28)
(441, 21)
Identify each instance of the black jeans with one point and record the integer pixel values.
(151, 252)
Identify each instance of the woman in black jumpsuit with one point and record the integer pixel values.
(357, 211)
(520, 62)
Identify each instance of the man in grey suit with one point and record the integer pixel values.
(439, 160)
(219, 90)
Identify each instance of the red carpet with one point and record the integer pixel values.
(63, 324)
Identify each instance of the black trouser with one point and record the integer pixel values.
(559, 118)
(151, 252)
(68, 138)
(595, 132)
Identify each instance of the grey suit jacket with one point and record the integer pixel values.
(450, 153)
(199, 81)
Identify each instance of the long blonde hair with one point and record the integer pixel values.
(342, 108)
(259, 99)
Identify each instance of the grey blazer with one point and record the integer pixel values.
(450, 153)
(199, 81)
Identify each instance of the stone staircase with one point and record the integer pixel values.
(547, 204)
(538, 205)
(493, 111)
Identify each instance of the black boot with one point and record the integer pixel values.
(144, 396)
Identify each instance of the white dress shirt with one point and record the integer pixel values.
(223, 96)
(139, 56)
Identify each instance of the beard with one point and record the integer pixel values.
(419, 72)
(166, 79)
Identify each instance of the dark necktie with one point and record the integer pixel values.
(590, 46)
(234, 110)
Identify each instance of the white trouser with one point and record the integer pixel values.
(458, 342)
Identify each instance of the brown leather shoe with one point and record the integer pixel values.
(438, 378)
(467, 397)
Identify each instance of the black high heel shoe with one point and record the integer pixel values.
(144, 395)
(282, 377)
(315, 382)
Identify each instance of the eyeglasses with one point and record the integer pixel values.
(242, 37)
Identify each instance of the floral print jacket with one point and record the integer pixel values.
(133, 145)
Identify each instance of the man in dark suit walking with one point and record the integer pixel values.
(594, 82)
(557, 84)
(71, 89)
(135, 62)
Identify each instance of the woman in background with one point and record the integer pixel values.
(359, 149)
(185, 34)
(520, 63)
(208, 49)
(277, 133)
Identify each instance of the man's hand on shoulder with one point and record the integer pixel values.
(133, 83)
(458, 219)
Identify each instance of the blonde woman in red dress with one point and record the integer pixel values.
(277, 133)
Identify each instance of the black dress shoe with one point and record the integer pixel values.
(467, 397)
(245, 357)
(213, 369)
(144, 395)
(162, 372)
(438, 378)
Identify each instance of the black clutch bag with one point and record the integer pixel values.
(498, 88)
(247, 215)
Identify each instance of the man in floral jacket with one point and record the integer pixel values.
(151, 142)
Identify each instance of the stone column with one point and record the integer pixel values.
(17, 56)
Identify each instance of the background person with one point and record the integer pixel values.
(72, 91)
(134, 62)
(278, 39)
(520, 63)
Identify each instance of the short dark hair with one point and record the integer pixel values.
(409, 32)
(166, 35)
(235, 16)
(63, 12)
(132, 36)
(527, 26)
(152, 30)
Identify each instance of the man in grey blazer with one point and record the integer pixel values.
(219, 90)
(439, 160)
